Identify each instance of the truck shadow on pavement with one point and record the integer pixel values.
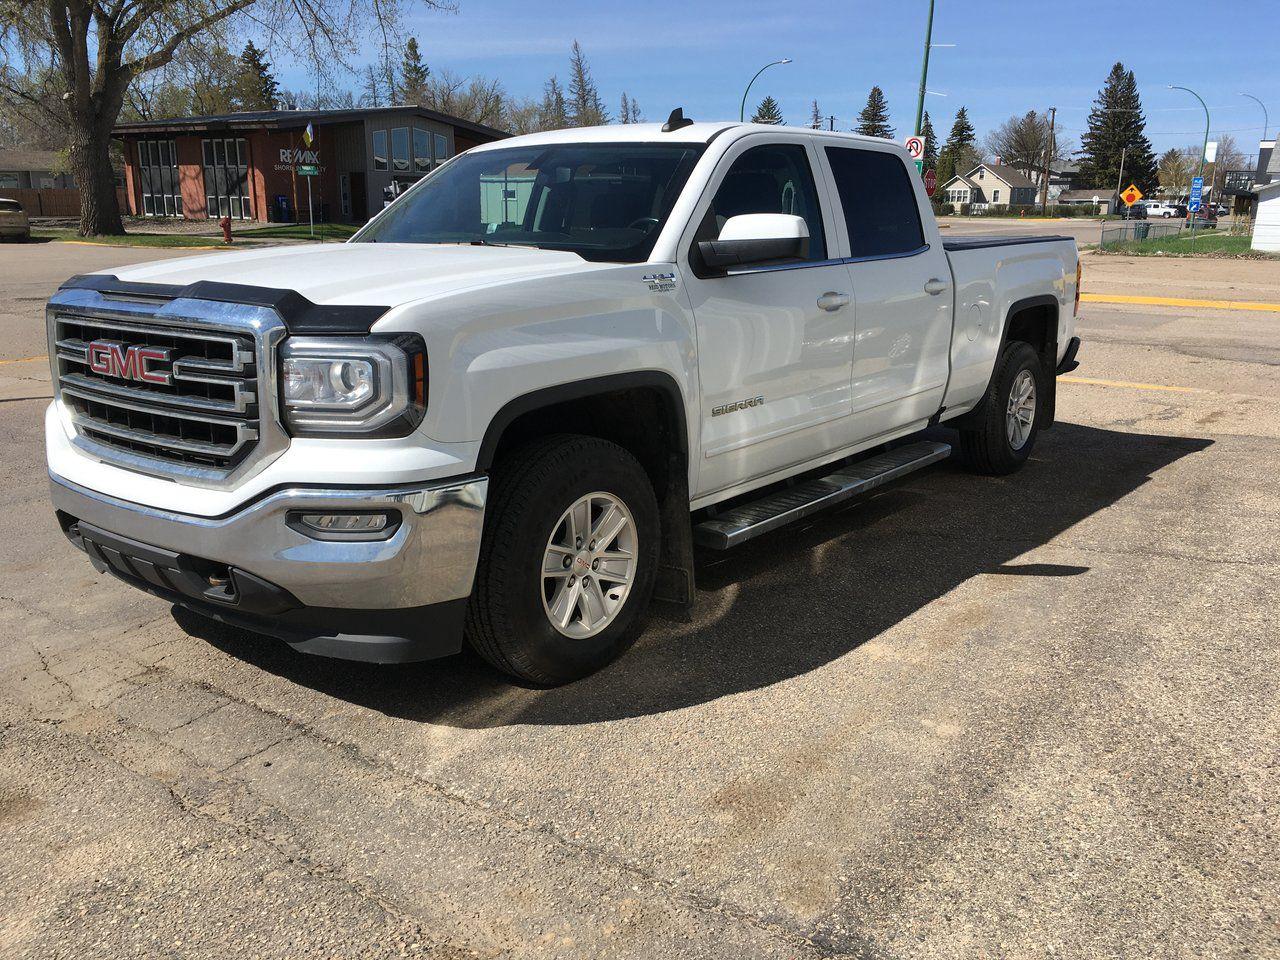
(782, 605)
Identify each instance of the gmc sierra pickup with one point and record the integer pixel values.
(510, 406)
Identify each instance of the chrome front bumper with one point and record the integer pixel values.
(283, 582)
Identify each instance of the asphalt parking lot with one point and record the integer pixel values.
(970, 717)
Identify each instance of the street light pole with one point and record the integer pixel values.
(924, 69)
(742, 111)
(1204, 149)
(1266, 119)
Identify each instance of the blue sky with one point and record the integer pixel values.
(1008, 57)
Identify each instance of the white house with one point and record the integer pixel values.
(1266, 223)
(990, 183)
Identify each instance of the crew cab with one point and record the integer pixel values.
(508, 410)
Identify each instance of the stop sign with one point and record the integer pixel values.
(930, 182)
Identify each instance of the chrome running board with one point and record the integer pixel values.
(740, 524)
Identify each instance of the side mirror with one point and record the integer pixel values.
(756, 238)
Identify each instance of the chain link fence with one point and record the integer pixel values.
(1114, 235)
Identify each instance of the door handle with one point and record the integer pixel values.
(935, 286)
(832, 301)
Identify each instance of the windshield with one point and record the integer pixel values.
(603, 201)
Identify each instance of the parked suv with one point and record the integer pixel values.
(14, 224)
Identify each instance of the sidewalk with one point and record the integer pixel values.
(1208, 279)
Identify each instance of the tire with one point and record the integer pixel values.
(510, 616)
(986, 444)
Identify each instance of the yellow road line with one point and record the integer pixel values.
(26, 359)
(1181, 302)
(1131, 386)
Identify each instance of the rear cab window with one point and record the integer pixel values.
(878, 202)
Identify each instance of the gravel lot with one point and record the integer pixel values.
(970, 717)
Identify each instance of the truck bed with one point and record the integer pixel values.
(980, 241)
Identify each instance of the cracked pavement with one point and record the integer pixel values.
(967, 717)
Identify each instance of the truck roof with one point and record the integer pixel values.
(652, 133)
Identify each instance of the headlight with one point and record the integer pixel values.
(369, 386)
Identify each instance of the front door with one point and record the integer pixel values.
(901, 283)
(774, 340)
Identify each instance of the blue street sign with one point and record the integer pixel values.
(1197, 188)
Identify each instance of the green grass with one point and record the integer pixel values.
(1206, 244)
(299, 231)
(128, 240)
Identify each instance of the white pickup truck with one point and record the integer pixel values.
(507, 410)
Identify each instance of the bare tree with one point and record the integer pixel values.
(1021, 143)
(88, 53)
(478, 99)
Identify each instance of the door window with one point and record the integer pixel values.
(773, 178)
(879, 203)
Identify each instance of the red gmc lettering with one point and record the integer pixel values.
(113, 359)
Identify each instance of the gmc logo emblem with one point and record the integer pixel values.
(114, 359)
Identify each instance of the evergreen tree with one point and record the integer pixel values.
(624, 115)
(413, 74)
(815, 117)
(552, 113)
(1116, 126)
(958, 154)
(930, 143)
(254, 87)
(768, 112)
(585, 106)
(635, 111)
(873, 121)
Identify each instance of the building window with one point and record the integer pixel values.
(421, 150)
(400, 149)
(158, 173)
(380, 150)
(226, 179)
(8, 181)
(995, 196)
(442, 147)
(981, 174)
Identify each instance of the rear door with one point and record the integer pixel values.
(774, 340)
(902, 289)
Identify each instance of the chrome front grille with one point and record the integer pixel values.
(200, 407)
(207, 413)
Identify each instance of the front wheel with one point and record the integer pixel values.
(567, 560)
(1004, 428)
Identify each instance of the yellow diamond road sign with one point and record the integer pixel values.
(1131, 195)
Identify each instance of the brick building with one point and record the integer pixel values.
(246, 165)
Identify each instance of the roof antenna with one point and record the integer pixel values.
(676, 121)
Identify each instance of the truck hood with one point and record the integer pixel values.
(375, 274)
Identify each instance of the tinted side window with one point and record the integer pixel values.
(879, 205)
(775, 178)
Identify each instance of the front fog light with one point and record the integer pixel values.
(347, 525)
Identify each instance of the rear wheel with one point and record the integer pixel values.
(567, 561)
(1002, 431)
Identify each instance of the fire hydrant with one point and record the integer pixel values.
(225, 224)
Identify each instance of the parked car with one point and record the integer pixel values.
(508, 423)
(14, 224)
(1137, 212)
(1206, 218)
(1158, 208)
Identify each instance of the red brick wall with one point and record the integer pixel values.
(191, 177)
(268, 182)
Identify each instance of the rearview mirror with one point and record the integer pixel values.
(756, 238)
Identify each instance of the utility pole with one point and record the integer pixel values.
(924, 68)
(1048, 161)
(1120, 179)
